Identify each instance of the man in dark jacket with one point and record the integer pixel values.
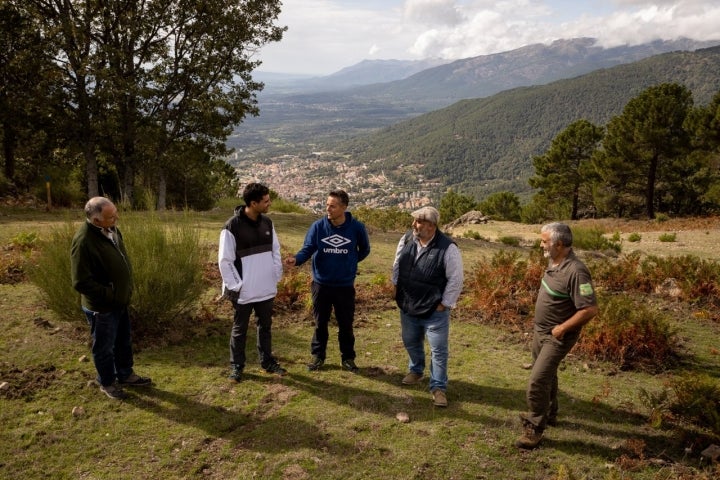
(101, 272)
(428, 276)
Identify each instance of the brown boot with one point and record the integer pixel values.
(530, 438)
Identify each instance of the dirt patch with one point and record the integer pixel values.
(25, 383)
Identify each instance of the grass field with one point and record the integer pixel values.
(331, 424)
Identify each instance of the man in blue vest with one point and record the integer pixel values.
(250, 266)
(428, 278)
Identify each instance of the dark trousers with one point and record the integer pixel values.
(547, 353)
(111, 345)
(342, 299)
(238, 335)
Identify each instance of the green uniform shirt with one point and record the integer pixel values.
(564, 290)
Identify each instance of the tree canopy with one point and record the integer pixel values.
(136, 84)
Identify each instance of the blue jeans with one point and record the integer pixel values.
(437, 329)
(112, 346)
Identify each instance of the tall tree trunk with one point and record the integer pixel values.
(9, 145)
(91, 170)
(650, 192)
(162, 191)
(128, 192)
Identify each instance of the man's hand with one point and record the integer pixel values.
(232, 295)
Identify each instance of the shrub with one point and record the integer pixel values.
(634, 237)
(631, 335)
(294, 289)
(619, 275)
(383, 219)
(593, 239)
(472, 234)
(698, 400)
(698, 279)
(167, 271)
(505, 287)
(510, 241)
(51, 273)
(667, 237)
(167, 268)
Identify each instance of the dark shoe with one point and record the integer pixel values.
(439, 398)
(316, 363)
(276, 369)
(412, 378)
(350, 366)
(236, 374)
(135, 381)
(531, 435)
(113, 391)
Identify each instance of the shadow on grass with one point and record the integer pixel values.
(275, 433)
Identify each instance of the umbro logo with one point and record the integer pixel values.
(336, 240)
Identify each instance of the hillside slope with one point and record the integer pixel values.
(486, 145)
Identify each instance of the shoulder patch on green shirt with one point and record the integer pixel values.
(586, 289)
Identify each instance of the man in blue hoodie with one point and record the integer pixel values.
(336, 243)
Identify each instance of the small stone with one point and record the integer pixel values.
(83, 359)
(712, 452)
(4, 386)
(78, 411)
(403, 417)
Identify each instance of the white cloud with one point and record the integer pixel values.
(432, 12)
(327, 35)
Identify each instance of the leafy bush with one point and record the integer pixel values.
(510, 240)
(383, 219)
(294, 289)
(698, 279)
(634, 237)
(472, 234)
(698, 400)
(505, 287)
(667, 237)
(593, 239)
(631, 335)
(51, 273)
(620, 275)
(167, 270)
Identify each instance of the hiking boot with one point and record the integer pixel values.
(276, 369)
(439, 398)
(236, 373)
(350, 366)
(315, 364)
(135, 381)
(113, 391)
(412, 378)
(531, 436)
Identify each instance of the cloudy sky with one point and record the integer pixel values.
(325, 36)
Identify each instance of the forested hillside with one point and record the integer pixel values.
(486, 145)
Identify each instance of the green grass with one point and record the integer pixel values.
(330, 424)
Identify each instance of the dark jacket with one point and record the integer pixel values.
(100, 270)
(421, 282)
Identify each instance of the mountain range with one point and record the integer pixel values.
(500, 100)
